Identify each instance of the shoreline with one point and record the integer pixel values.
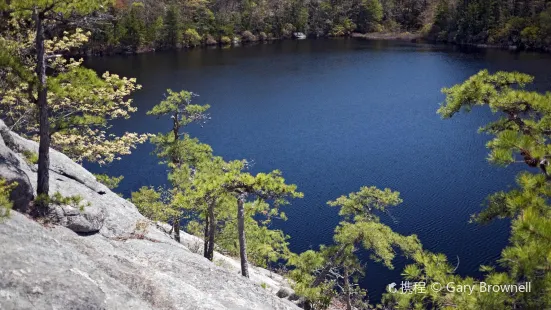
(375, 36)
(388, 36)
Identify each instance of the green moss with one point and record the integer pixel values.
(31, 157)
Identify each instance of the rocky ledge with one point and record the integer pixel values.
(108, 256)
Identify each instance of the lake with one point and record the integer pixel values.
(334, 115)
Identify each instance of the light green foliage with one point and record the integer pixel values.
(264, 186)
(154, 32)
(155, 204)
(191, 38)
(183, 155)
(31, 157)
(337, 31)
(227, 181)
(225, 40)
(359, 206)
(304, 274)
(81, 103)
(109, 181)
(264, 245)
(176, 148)
(371, 15)
(524, 123)
(318, 274)
(57, 199)
(362, 225)
(204, 188)
(179, 104)
(522, 131)
(24, 8)
(517, 23)
(5, 202)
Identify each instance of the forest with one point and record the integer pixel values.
(147, 25)
(63, 105)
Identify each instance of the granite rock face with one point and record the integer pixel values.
(102, 257)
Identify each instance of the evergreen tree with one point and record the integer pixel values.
(371, 15)
(318, 275)
(173, 35)
(176, 148)
(64, 97)
(262, 187)
(133, 22)
(521, 135)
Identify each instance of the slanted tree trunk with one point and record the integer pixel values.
(347, 289)
(206, 239)
(212, 232)
(331, 262)
(242, 240)
(43, 182)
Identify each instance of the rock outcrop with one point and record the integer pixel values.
(108, 256)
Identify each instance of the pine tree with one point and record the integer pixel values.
(319, 274)
(521, 135)
(262, 187)
(176, 148)
(65, 97)
(173, 32)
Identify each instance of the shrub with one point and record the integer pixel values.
(348, 25)
(225, 40)
(191, 38)
(337, 31)
(5, 202)
(530, 36)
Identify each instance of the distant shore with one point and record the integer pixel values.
(387, 36)
(391, 36)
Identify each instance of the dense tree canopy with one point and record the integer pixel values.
(144, 25)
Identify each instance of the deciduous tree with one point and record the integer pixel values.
(55, 100)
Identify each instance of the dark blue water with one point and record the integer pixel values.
(335, 115)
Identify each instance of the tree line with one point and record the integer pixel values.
(61, 104)
(145, 25)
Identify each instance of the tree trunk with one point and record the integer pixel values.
(206, 239)
(330, 264)
(176, 227)
(242, 240)
(43, 182)
(347, 289)
(212, 232)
